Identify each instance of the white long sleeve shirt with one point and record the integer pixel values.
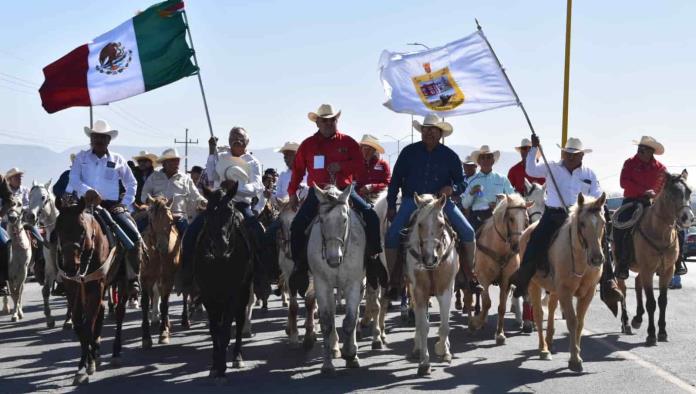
(581, 180)
(90, 172)
(178, 188)
(247, 191)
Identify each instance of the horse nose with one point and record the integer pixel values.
(597, 260)
(31, 218)
(515, 247)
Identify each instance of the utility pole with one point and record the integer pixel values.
(186, 143)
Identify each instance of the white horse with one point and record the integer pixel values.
(432, 263)
(43, 211)
(336, 252)
(20, 257)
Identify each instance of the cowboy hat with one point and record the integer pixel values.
(574, 145)
(233, 168)
(170, 153)
(434, 120)
(289, 146)
(650, 142)
(101, 127)
(485, 150)
(468, 162)
(373, 142)
(525, 143)
(145, 155)
(325, 111)
(13, 171)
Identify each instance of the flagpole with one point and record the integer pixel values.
(524, 111)
(566, 75)
(91, 118)
(200, 81)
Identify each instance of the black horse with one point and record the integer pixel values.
(223, 271)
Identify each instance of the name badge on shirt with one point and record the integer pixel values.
(378, 167)
(318, 162)
(110, 164)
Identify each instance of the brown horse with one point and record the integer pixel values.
(86, 260)
(497, 256)
(163, 245)
(575, 259)
(656, 249)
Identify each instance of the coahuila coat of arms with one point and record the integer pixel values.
(114, 58)
(438, 90)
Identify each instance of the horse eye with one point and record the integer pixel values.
(582, 224)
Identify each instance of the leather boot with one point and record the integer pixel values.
(467, 255)
(680, 267)
(395, 271)
(299, 279)
(522, 277)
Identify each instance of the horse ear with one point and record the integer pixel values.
(530, 204)
(417, 199)
(48, 184)
(346, 194)
(527, 186)
(33, 183)
(501, 197)
(170, 203)
(441, 202)
(581, 199)
(319, 193)
(150, 200)
(601, 200)
(684, 174)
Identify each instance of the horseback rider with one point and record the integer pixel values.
(376, 174)
(329, 158)
(517, 173)
(146, 162)
(178, 188)
(426, 167)
(480, 194)
(641, 179)
(95, 175)
(571, 178)
(288, 150)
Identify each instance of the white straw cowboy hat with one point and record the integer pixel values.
(434, 120)
(325, 111)
(650, 142)
(289, 146)
(574, 145)
(170, 153)
(485, 150)
(13, 171)
(101, 127)
(233, 169)
(373, 142)
(145, 155)
(467, 161)
(525, 143)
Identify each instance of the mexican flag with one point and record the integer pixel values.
(142, 54)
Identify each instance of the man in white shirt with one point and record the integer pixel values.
(572, 178)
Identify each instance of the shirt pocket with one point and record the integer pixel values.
(585, 188)
(110, 174)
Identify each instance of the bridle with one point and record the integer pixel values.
(583, 244)
(502, 260)
(341, 240)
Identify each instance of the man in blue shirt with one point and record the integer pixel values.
(482, 189)
(426, 167)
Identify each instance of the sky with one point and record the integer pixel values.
(266, 64)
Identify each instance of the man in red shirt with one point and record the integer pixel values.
(328, 157)
(376, 174)
(641, 179)
(517, 173)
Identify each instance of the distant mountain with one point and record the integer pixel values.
(41, 164)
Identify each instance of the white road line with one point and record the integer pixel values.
(657, 370)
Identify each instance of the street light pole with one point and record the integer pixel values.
(427, 48)
(398, 141)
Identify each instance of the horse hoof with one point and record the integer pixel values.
(635, 322)
(545, 355)
(80, 378)
(353, 363)
(527, 327)
(308, 342)
(500, 340)
(185, 324)
(116, 362)
(164, 340)
(247, 334)
(447, 358)
(377, 345)
(67, 325)
(575, 366)
(147, 343)
(221, 381)
(458, 305)
(327, 370)
(212, 373)
(91, 368)
(285, 304)
(662, 337)
(238, 364)
(14, 319)
(651, 341)
(336, 353)
(51, 323)
(424, 370)
(414, 355)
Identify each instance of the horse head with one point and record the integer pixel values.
(41, 202)
(161, 223)
(334, 219)
(429, 230)
(220, 223)
(511, 218)
(14, 210)
(77, 232)
(534, 192)
(286, 216)
(677, 195)
(587, 219)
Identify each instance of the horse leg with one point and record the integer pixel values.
(500, 329)
(479, 321)
(535, 296)
(241, 318)
(566, 300)
(164, 317)
(246, 327)
(291, 330)
(155, 305)
(20, 292)
(353, 295)
(420, 309)
(442, 346)
(80, 330)
(98, 325)
(552, 303)
(662, 303)
(625, 327)
(46, 292)
(375, 316)
(120, 314)
(6, 306)
(185, 323)
(310, 307)
(370, 300)
(638, 318)
(327, 317)
(458, 299)
(68, 323)
(383, 308)
(145, 305)
(650, 306)
(214, 326)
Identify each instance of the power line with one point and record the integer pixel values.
(19, 79)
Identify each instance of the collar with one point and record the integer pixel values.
(319, 136)
(107, 155)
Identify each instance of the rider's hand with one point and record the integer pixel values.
(535, 140)
(212, 145)
(334, 167)
(92, 198)
(446, 191)
(475, 189)
(294, 202)
(650, 193)
(391, 213)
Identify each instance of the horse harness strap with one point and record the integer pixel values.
(502, 260)
(444, 254)
(661, 251)
(83, 278)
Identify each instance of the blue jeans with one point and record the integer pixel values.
(461, 226)
(4, 237)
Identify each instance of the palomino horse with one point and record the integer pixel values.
(287, 214)
(497, 259)
(20, 257)
(655, 251)
(86, 260)
(223, 272)
(163, 245)
(575, 259)
(44, 213)
(431, 265)
(336, 253)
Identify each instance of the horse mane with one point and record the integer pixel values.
(159, 204)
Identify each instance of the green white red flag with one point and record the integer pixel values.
(142, 54)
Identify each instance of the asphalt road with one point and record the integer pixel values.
(34, 358)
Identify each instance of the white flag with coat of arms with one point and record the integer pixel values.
(460, 78)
